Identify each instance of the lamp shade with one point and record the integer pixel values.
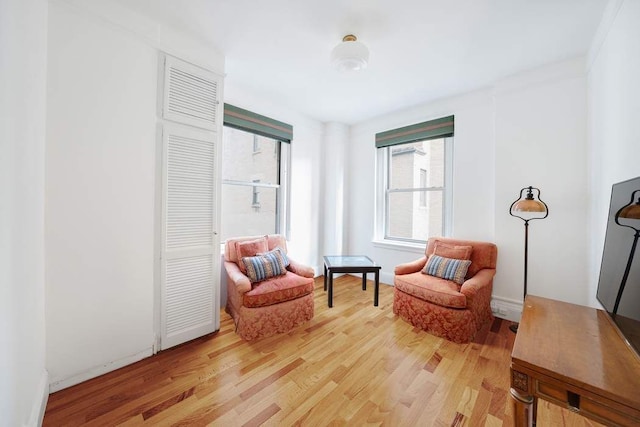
(527, 205)
(630, 211)
(350, 55)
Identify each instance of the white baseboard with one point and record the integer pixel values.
(59, 384)
(40, 401)
(507, 309)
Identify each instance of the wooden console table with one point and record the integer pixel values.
(575, 357)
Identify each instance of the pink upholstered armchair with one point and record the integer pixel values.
(439, 305)
(267, 292)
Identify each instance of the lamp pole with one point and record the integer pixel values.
(626, 272)
(629, 211)
(526, 255)
(527, 204)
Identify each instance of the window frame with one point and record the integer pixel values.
(383, 168)
(255, 202)
(423, 184)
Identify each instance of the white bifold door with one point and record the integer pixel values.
(189, 243)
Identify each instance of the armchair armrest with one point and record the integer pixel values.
(482, 279)
(300, 269)
(236, 277)
(411, 267)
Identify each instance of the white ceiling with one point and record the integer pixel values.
(421, 50)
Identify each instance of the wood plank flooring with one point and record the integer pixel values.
(353, 364)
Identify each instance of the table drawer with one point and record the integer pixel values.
(597, 408)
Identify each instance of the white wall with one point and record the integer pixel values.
(526, 130)
(100, 171)
(614, 108)
(540, 120)
(23, 55)
(306, 182)
(334, 181)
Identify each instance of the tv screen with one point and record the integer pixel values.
(619, 283)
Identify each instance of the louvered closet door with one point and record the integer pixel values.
(191, 94)
(190, 258)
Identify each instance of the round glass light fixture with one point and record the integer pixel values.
(350, 55)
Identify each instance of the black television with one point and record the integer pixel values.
(619, 282)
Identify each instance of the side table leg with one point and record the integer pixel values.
(364, 281)
(523, 409)
(376, 289)
(325, 277)
(330, 289)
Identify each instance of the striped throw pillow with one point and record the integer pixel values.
(282, 253)
(266, 265)
(447, 268)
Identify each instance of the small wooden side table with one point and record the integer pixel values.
(575, 357)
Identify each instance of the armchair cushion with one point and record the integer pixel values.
(277, 289)
(250, 248)
(447, 250)
(447, 268)
(432, 289)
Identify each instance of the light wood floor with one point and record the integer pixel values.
(353, 364)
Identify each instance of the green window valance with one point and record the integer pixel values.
(433, 129)
(242, 119)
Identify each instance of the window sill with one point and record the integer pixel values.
(417, 248)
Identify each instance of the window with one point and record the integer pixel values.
(414, 190)
(252, 191)
(255, 164)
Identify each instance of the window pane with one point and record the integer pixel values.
(248, 157)
(409, 220)
(248, 210)
(408, 160)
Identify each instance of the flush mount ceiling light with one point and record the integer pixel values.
(350, 55)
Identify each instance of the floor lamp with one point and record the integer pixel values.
(527, 208)
(629, 211)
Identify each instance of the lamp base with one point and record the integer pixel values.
(514, 328)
